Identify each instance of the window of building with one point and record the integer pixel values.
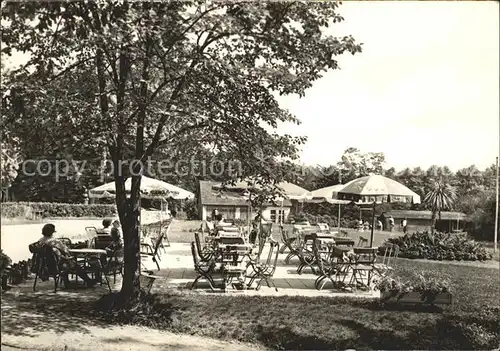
(277, 216)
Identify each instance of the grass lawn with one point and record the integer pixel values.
(325, 323)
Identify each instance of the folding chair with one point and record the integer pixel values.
(114, 265)
(66, 241)
(91, 231)
(362, 242)
(152, 251)
(203, 269)
(364, 264)
(390, 252)
(306, 254)
(264, 235)
(324, 260)
(265, 272)
(323, 227)
(206, 253)
(290, 243)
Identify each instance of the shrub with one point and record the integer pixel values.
(425, 282)
(5, 261)
(49, 210)
(440, 246)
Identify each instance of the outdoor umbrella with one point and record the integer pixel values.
(376, 189)
(150, 188)
(329, 194)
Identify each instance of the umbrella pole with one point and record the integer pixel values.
(373, 224)
(338, 220)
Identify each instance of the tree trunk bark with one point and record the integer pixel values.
(131, 250)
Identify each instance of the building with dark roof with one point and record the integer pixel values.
(233, 203)
(422, 220)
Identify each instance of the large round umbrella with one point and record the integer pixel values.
(377, 188)
(150, 188)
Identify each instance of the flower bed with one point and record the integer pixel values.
(422, 288)
(440, 246)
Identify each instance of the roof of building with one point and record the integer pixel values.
(210, 194)
(446, 215)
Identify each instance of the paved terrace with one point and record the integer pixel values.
(176, 266)
(177, 273)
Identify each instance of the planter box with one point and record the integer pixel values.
(443, 298)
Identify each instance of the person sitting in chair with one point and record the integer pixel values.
(106, 227)
(66, 261)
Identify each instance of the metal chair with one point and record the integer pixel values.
(205, 253)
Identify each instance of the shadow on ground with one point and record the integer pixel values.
(26, 313)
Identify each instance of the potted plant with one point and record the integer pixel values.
(423, 288)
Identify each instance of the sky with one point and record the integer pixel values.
(424, 91)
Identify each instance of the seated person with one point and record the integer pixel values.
(106, 227)
(117, 244)
(116, 227)
(66, 261)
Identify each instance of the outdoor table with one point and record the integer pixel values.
(89, 253)
(231, 258)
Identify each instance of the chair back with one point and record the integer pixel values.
(194, 253)
(66, 241)
(391, 251)
(210, 227)
(362, 242)
(197, 241)
(102, 241)
(91, 231)
(366, 255)
(45, 261)
(272, 259)
(159, 241)
(252, 237)
(323, 227)
(267, 229)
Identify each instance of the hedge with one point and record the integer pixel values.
(50, 210)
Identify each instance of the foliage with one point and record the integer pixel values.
(425, 282)
(191, 209)
(163, 75)
(51, 210)
(5, 261)
(440, 197)
(440, 246)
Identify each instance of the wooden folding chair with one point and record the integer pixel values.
(390, 252)
(362, 242)
(265, 272)
(203, 269)
(153, 251)
(364, 264)
(205, 253)
(324, 261)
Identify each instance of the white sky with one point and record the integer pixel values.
(425, 89)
